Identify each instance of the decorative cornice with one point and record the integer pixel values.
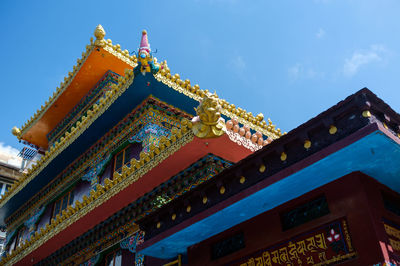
(240, 140)
(256, 123)
(115, 50)
(129, 175)
(68, 176)
(87, 101)
(92, 114)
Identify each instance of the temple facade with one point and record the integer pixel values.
(140, 167)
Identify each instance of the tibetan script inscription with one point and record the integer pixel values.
(393, 232)
(325, 245)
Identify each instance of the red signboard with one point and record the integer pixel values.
(324, 245)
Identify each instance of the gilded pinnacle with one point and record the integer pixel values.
(16, 131)
(99, 32)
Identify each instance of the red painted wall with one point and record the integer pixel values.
(355, 196)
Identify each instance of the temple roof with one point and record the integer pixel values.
(90, 68)
(99, 57)
(137, 80)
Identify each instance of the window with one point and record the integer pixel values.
(124, 157)
(63, 202)
(391, 203)
(227, 246)
(4, 187)
(18, 239)
(114, 258)
(304, 213)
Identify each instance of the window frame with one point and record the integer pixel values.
(61, 201)
(124, 162)
(114, 255)
(19, 237)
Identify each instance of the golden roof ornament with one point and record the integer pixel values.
(208, 123)
(146, 61)
(16, 131)
(99, 33)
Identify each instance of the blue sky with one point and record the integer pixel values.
(290, 60)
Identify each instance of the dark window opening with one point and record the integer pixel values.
(391, 203)
(114, 258)
(63, 202)
(304, 213)
(227, 246)
(124, 156)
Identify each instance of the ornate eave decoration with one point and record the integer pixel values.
(93, 96)
(94, 156)
(129, 175)
(92, 114)
(256, 123)
(197, 173)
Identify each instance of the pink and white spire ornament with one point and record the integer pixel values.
(144, 43)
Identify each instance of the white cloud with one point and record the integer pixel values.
(9, 155)
(320, 33)
(298, 71)
(8, 150)
(363, 57)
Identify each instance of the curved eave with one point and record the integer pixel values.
(94, 64)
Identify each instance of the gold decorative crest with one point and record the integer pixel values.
(208, 122)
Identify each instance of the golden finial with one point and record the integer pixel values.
(16, 131)
(99, 33)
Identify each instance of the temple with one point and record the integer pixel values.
(140, 167)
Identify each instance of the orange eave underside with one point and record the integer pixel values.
(96, 65)
(178, 161)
